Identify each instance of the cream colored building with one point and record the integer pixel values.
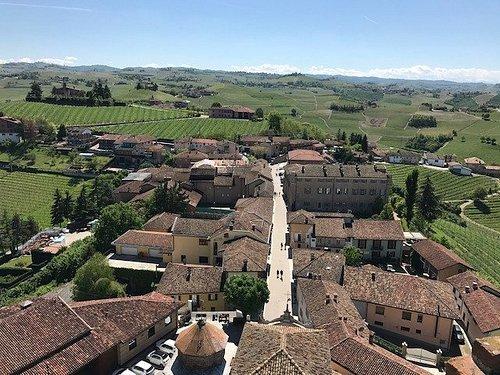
(145, 244)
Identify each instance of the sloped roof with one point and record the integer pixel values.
(201, 339)
(161, 223)
(281, 350)
(377, 229)
(437, 255)
(329, 265)
(331, 227)
(235, 253)
(305, 155)
(145, 238)
(190, 279)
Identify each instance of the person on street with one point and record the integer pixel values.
(277, 274)
(281, 272)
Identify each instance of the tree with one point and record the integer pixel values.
(353, 256)
(57, 211)
(364, 143)
(246, 293)
(216, 105)
(101, 193)
(95, 280)
(35, 93)
(61, 132)
(429, 201)
(138, 86)
(259, 113)
(275, 122)
(46, 131)
(293, 112)
(67, 205)
(167, 199)
(411, 184)
(82, 208)
(479, 193)
(115, 220)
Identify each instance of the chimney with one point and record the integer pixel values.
(373, 276)
(335, 298)
(231, 225)
(313, 256)
(303, 169)
(474, 285)
(328, 299)
(309, 275)
(245, 265)
(188, 275)
(467, 289)
(370, 338)
(25, 304)
(253, 227)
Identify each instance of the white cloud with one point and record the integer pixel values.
(370, 20)
(416, 72)
(267, 68)
(46, 6)
(67, 60)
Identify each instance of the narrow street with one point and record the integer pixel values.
(279, 287)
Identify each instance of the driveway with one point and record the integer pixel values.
(279, 287)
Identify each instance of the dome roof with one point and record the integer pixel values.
(201, 340)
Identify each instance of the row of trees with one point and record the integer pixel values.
(422, 121)
(430, 143)
(15, 230)
(147, 86)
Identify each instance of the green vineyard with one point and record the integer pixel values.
(31, 194)
(474, 244)
(487, 214)
(78, 115)
(447, 185)
(203, 127)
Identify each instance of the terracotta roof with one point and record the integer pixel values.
(437, 255)
(190, 279)
(484, 308)
(467, 278)
(281, 350)
(145, 238)
(300, 217)
(462, 365)
(336, 170)
(473, 160)
(329, 265)
(244, 249)
(201, 339)
(161, 223)
(360, 358)
(191, 155)
(327, 302)
(377, 229)
(135, 187)
(223, 181)
(195, 227)
(260, 206)
(419, 294)
(330, 227)
(305, 155)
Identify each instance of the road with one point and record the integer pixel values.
(279, 287)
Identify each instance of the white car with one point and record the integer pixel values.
(123, 371)
(166, 346)
(143, 368)
(158, 358)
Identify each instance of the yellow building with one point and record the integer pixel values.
(201, 285)
(145, 244)
(410, 306)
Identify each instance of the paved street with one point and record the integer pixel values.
(280, 288)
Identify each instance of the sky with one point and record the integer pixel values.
(425, 39)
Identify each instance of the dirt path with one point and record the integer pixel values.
(465, 217)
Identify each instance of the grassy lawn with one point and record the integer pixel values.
(79, 115)
(204, 127)
(487, 215)
(31, 194)
(478, 246)
(448, 186)
(20, 261)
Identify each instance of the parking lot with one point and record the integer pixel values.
(175, 366)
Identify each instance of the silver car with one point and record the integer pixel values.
(158, 358)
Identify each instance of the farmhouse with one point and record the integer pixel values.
(436, 260)
(10, 130)
(479, 303)
(479, 166)
(423, 310)
(132, 150)
(83, 337)
(81, 138)
(236, 112)
(459, 169)
(335, 187)
(403, 157)
(67, 92)
(434, 160)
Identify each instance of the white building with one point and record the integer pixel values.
(435, 160)
(10, 130)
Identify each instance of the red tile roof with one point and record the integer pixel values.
(305, 155)
(190, 279)
(377, 230)
(145, 238)
(244, 249)
(437, 255)
(328, 265)
(161, 223)
(201, 339)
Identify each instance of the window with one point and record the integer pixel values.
(320, 190)
(307, 190)
(362, 244)
(391, 254)
(391, 244)
(328, 190)
(339, 191)
(151, 331)
(420, 318)
(132, 344)
(183, 258)
(377, 244)
(346, 191)
(406, 329)
(168, 320)
(377, 323)
(418, 332)
(362, 191)
(380, 310)
(212, 297)
(406, 315)
(203, 242)
(203, 260)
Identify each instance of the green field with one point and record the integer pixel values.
(487, 215)
(448, 186)
(73, 115)
(178, 128)
(31, 194)
(478, 246)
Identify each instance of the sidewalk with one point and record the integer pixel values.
(279, 288)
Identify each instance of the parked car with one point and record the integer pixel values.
(166, 346)
(390, 268)
(123, 371)
(143, 368)
(458, 334)
(158, 358)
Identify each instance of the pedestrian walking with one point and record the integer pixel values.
(281, 272)
(277, 274)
